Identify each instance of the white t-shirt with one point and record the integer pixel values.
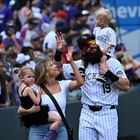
(5, 36)
(27, 38)
(50, 40)
(61, 97)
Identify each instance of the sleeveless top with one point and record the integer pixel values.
(26, 101)
(38, 118)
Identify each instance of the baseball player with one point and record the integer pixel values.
(105, 36)
(98, 118)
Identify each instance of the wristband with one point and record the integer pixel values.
(57, 56)
(111, 76)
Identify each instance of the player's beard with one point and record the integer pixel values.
(92, 57)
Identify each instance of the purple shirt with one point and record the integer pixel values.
(71, 12)
(45, 19)
(5, 15)
(8, 41)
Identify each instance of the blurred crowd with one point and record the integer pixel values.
(27, 35)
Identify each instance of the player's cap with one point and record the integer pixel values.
(83, 38)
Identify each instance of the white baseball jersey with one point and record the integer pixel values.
(103, 124)
(93, 91)
(105, 36)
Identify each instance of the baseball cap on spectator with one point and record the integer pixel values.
(21, 58)
(11, 23)
(37, 15)
(33, 21)
(81, 13)
(85, 12)
(35, 37)
(93, 3)
(39, 56)
(61, 14)
(62, 27)
(45, 27)
(59, 24)
(76, 50)
(83, 38)
(10, 27)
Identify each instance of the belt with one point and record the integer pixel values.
(98, 108)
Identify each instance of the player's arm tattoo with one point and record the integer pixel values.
(106, 88)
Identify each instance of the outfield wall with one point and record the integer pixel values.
(128, 112)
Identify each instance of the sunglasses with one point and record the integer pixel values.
(87, 44)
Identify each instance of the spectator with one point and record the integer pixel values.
(92, 6)
(4, 89)
(35, 6)
(55, 5)
(76, 53)
(11, 39)
(11, 22)
(2, 46)
(29, 51)
(5, 15)
(24, 12)
(29, 30)
(45, 28)
(71, 10)
(80, 22)
(129, 64)
(45, 11)
(9, 65)
(50, 40)
(36, 42)
(22, 59)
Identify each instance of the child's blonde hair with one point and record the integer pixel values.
(104, 14)
(22, 71)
